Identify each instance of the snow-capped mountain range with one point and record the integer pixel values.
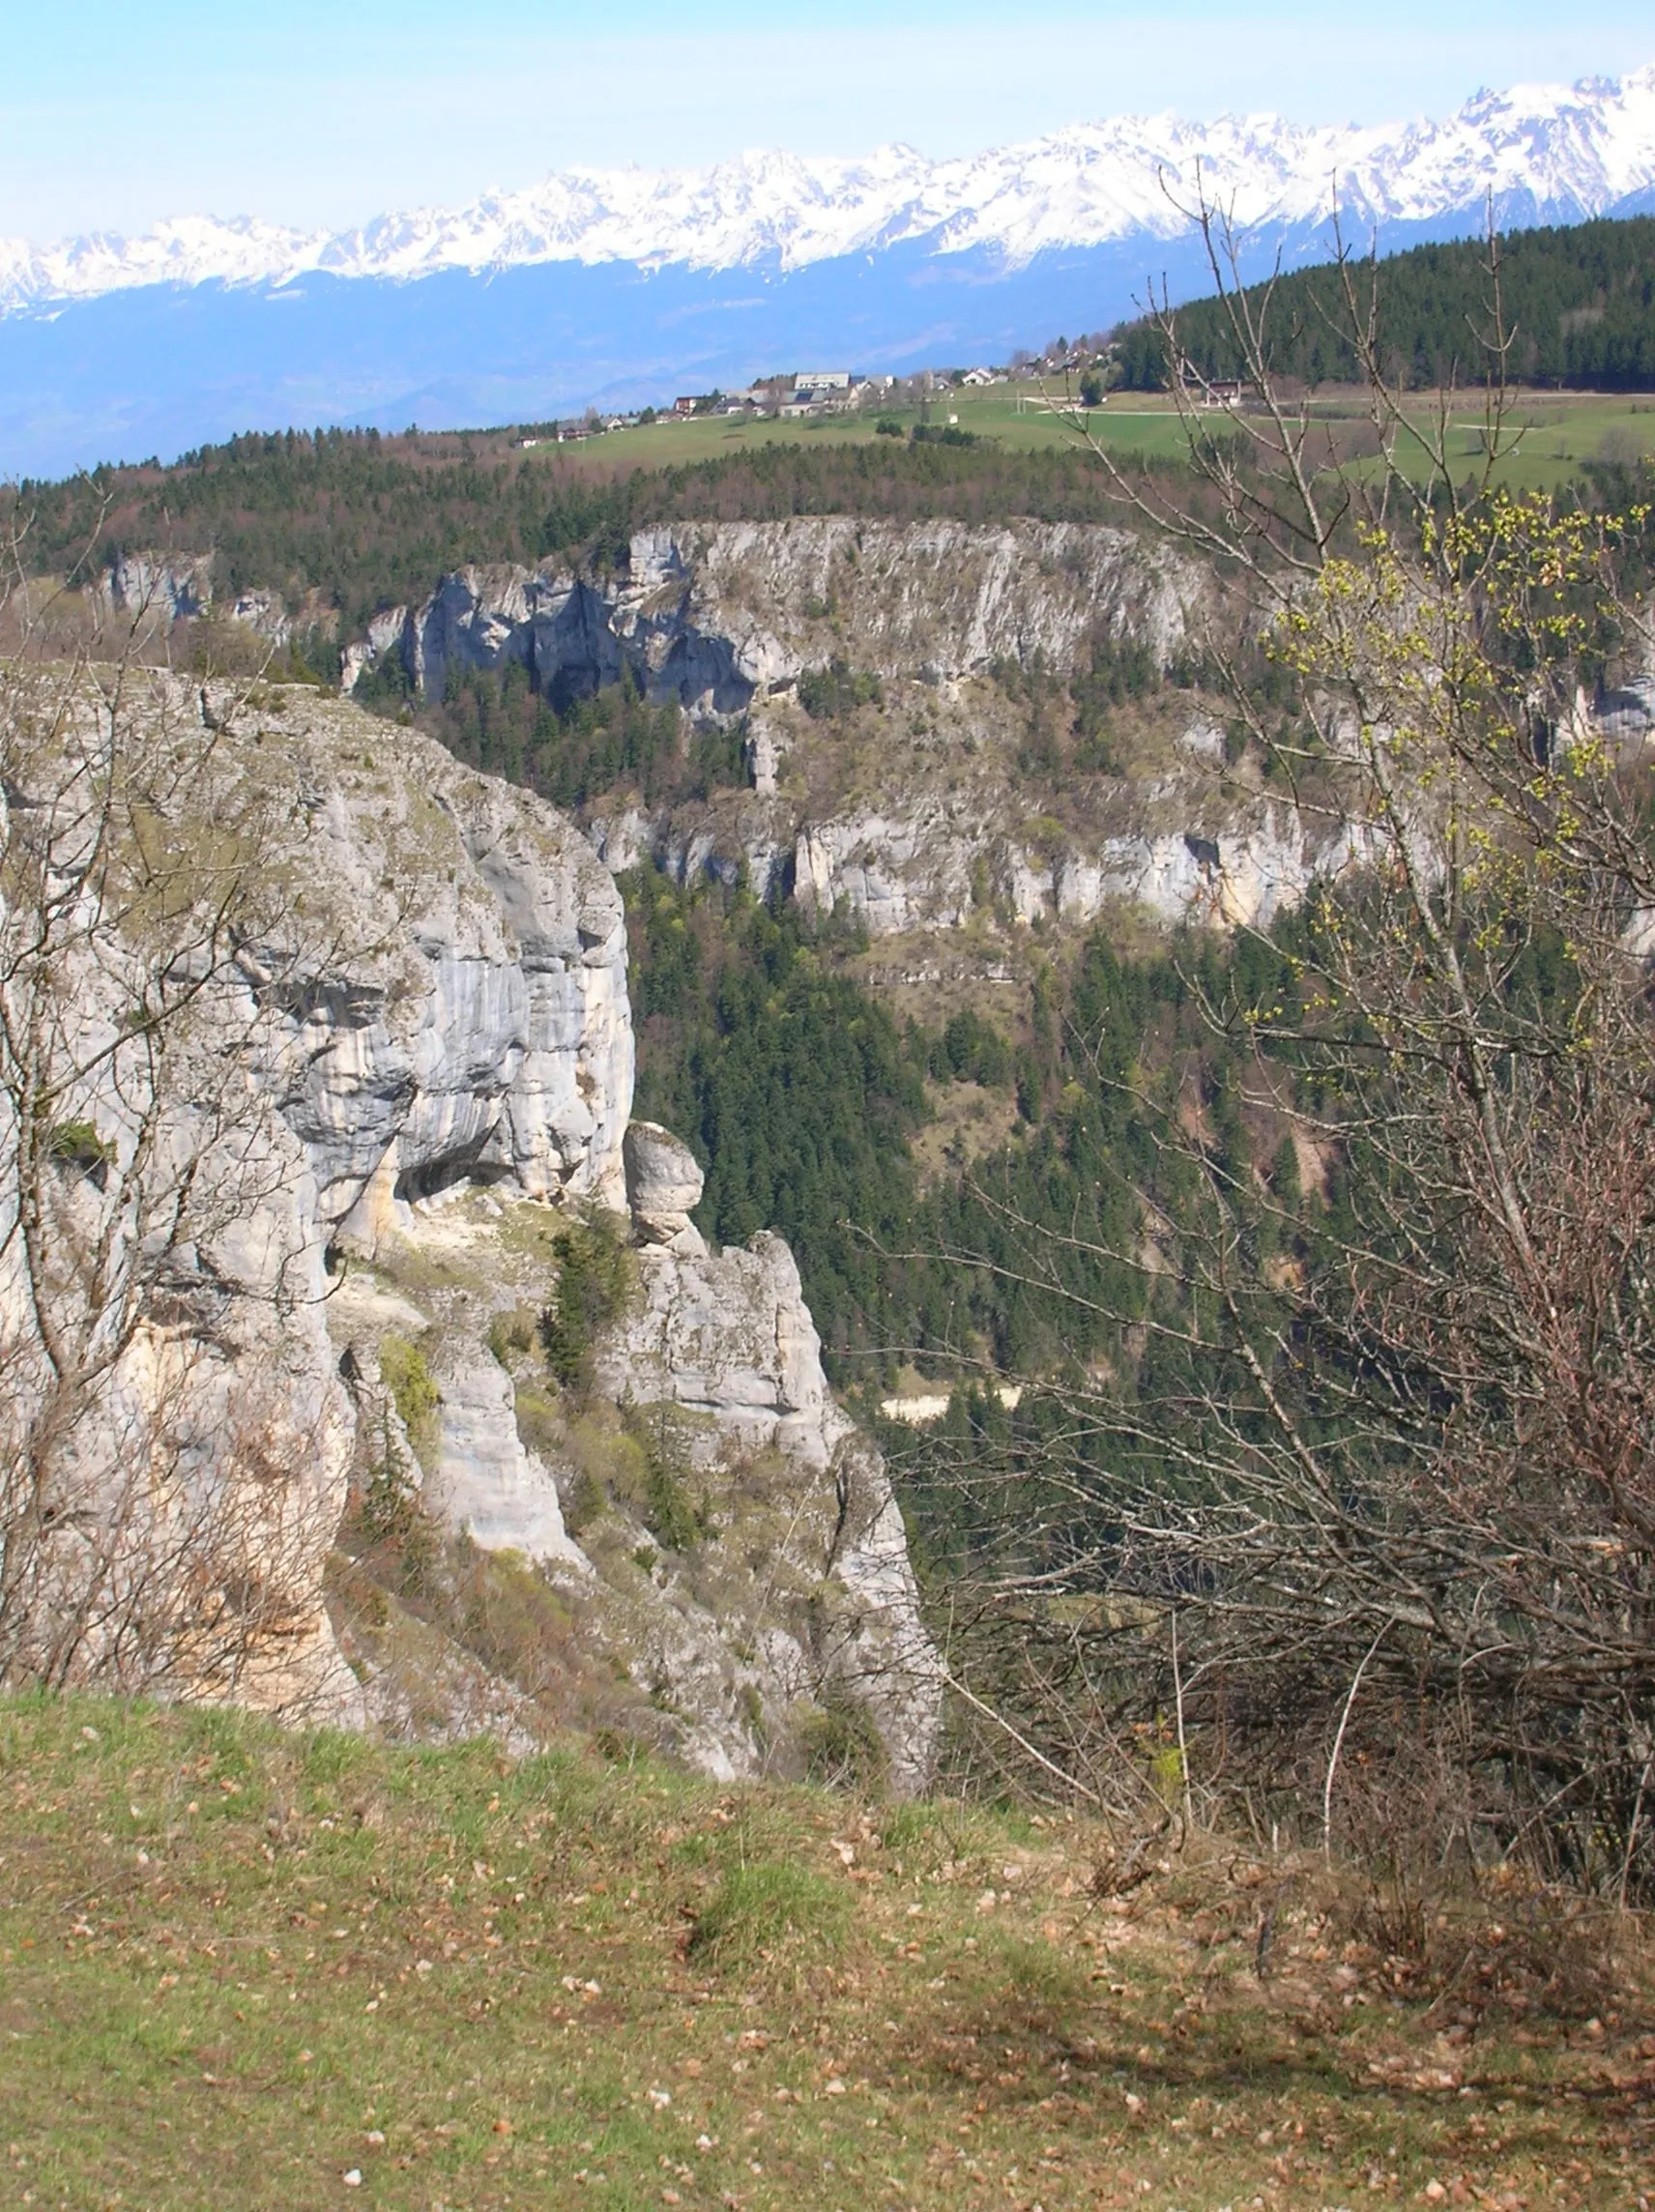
(1557, 151)
(616, 287)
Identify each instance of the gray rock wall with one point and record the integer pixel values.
(477, 1025)
(439, 1044)
(712, 614)
(925, 860)
(727, 1339)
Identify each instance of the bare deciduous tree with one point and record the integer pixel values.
(167, 1443)
(1371, 1484)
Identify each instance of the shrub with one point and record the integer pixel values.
(1097, 752)
(403, 1371)
(971, 1051)
(389, 1511)
(587, 1502)
(388, 1515)
(514, 1621)
(676, 1523)
(76, 1144)
(843, 1749)
(594, 1277)
(668, 1510)
(825, 693)
(512, 1335)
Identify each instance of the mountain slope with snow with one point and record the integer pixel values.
(616, 287)
(1552, 153)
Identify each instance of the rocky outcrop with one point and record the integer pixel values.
(724, 618)
(929, 860)
(664, 1183)
(714, 616)
(153, 591)
(487, 1483)
(726, 1341)
(741, 1573)
(426, 1057)
(170, 588)
(728, 1337)
(174, 1438)
(383, 636)
(426, 987)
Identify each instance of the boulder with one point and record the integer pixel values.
(664, 1183)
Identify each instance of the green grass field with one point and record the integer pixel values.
(242, 1970)
(1560, 431)
(1557, 434)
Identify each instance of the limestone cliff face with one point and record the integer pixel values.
(201, 1477)
(939, 814)
(476, 1025)
(487, 1482)
(153, 591)
(928, 811)
(727, 1339)
(479, 1055)
(716, 615)
(952, 833)
(737, 1575)
(430, 1075)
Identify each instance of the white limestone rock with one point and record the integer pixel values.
(384, 634)
(189, 1526)
(449, 1009)
(485, 1483)
(764, 759)
(727, 1339)
(478, 1026)
(716, 615)
(664, 1183)
(166, 587)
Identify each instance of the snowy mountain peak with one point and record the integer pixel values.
(1538, 151)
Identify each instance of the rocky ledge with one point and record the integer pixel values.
(738, 1576)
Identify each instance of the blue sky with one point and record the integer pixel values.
(112, 115)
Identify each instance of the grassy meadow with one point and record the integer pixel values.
(1560, 431)
(240, 1969)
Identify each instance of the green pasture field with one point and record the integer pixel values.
(1558, 430)
(1021, 417)
(1555, 432)
(242, 1971)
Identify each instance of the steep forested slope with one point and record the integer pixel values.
(1578, 303)
(803, 1096)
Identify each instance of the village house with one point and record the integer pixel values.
(1221, 391)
